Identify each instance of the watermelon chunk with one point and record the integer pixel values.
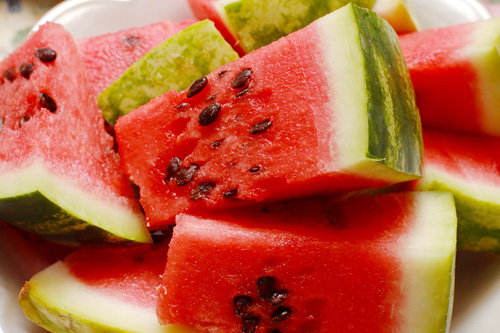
(469, 167)
(99, 290)
(172, 65)
(250, 24)
(60, 176)
(309, 113)
(399, 14)
(106, 57)
(369, 264)
(456, 71)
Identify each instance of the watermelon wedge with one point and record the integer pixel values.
(60, 176)
(250, 24)
(307, 114)
(469, 167)
(456, 71)
(106, 57)
(100, 290)
(172, 65)
(369, 264)
(399, 14)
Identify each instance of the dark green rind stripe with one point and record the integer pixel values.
(173, 65)
(474, 236)
(395, 134)
(35, 213)
(258, 23)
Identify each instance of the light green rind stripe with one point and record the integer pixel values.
(173, 65)
(429, 265)
(56, 208)
(257, 23)
(395, 134)
(58, 302)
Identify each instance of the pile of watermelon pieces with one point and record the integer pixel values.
(320, 183)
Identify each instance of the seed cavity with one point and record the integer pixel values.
(275, 331)
(261, 127)
(130, 41)
(280, 314)
(186, 174)
(182, 106)
(47, 102)
(242, 78)
(160, 235)
(9, 74)
(242, 93)
(278, 296)
(23, 119)
(230, 194)
(1, 124)
(209, 114)
(173, 167)
(46, 54)
(249, 324)
(254, 169)
(202, 191)
(241, 304)
(196, 87)
(217, 143)
(221, 74)
(26, 69)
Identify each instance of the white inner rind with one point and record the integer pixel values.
(55, 292)
(344, 64)
(428, 264)
(486, 59)
(101, 212)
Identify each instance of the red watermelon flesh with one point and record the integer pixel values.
(282, 133)
(454, 71)
(357, 266)
(53, 140)
(107, 56)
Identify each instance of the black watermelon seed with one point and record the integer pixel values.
(217, 143)
(241, 304)
(196, 87)
(201, 191)
(221, 74)
(254, 169)
(242, 78)
(280, 314)
(249, 324)
(209, 114)
(186, 174)
(278, 296)
(46, 54)
(9, 74)
(260, 127)
(182, 106)
(23, 119)
(230, 194)
(173, 167)
(26, 69)
(242, 93)
(265, 287)
(47, 102)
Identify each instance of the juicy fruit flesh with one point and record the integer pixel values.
(334, 264)
(231, 136)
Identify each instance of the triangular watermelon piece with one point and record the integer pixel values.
(60, 176)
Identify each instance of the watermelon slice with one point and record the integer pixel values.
(60, 176)
(469, 167)
(309, 113)
(172, 65)
(369, 264)
(250, 24)
(398, 13)
(107, 56)
(456, 71)
(99, 290)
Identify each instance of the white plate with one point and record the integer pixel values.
(477, 299)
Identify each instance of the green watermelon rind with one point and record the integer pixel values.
(59, 302)
(478, 209)
(36, 200)
(256, 23)
(172, 65)
(429, 264)
(375, 102)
